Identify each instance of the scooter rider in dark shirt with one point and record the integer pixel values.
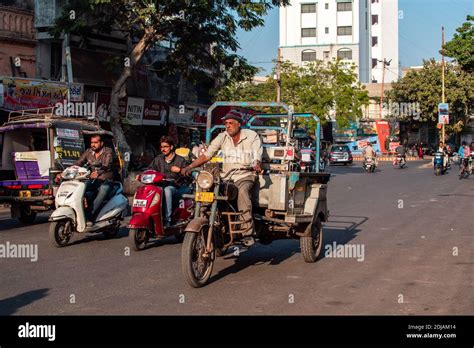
(169, 164)
(401, 151)
(100, 157)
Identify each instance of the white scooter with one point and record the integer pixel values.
(69, 216)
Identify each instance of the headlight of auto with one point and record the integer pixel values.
(147, 178)
(205, 180)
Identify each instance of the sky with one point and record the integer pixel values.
(419, 32)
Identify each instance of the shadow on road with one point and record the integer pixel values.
(12, 223)
(89, 237)
(10, 305)
(272, 254)
(155, 243)
(341, 229)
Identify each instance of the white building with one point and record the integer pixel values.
(362, 31)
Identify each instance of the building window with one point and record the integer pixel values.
(308, 56)
(326, 30)
(375, 19)
(344, 6)
(374, 63)
(326, 54)
(344, 31)
(375, 41)
(344, 53)
(308, 32)
(308, 8)
(326, 6)
(56, 60)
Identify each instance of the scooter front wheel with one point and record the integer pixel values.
(60, 232)
(138, 238)
(196, 264)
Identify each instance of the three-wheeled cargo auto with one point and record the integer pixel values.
(288, 203)
(35, 146)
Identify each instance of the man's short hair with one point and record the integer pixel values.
(97, 136)
(167, 139)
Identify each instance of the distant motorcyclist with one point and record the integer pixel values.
(465, 156)
(368, 152)
(401, 151)
(442, 148)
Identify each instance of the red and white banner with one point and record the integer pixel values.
(383, 132)
(155, 113)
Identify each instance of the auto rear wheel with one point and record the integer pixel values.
(311, 246)
(27, 216)
(60, 233)
(195, 263)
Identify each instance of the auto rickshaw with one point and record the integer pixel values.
(287, 203)
(35, 146)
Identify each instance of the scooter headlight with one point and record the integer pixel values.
(147, 178)
(69, 175)
(205, 180)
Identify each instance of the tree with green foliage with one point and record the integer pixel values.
(317, 87)
(461, 47)
(424, 87)
(203, 34)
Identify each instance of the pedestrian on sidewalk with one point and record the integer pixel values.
(420, 151)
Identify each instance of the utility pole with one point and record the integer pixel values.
(278, 80)
(384, 63)
(442, 80)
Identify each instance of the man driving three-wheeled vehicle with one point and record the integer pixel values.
(286, 203)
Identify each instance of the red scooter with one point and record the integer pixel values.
(147, 212)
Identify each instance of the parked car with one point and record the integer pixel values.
(340, 154)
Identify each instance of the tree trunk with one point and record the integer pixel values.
(119, 91)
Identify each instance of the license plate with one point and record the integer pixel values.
(139, 203)
(25, 194)
(207, 197)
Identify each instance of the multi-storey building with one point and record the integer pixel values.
(17, 38)
(364, 32)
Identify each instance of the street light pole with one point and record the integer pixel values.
(278, 80)
(384, 63)
(442, 80)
